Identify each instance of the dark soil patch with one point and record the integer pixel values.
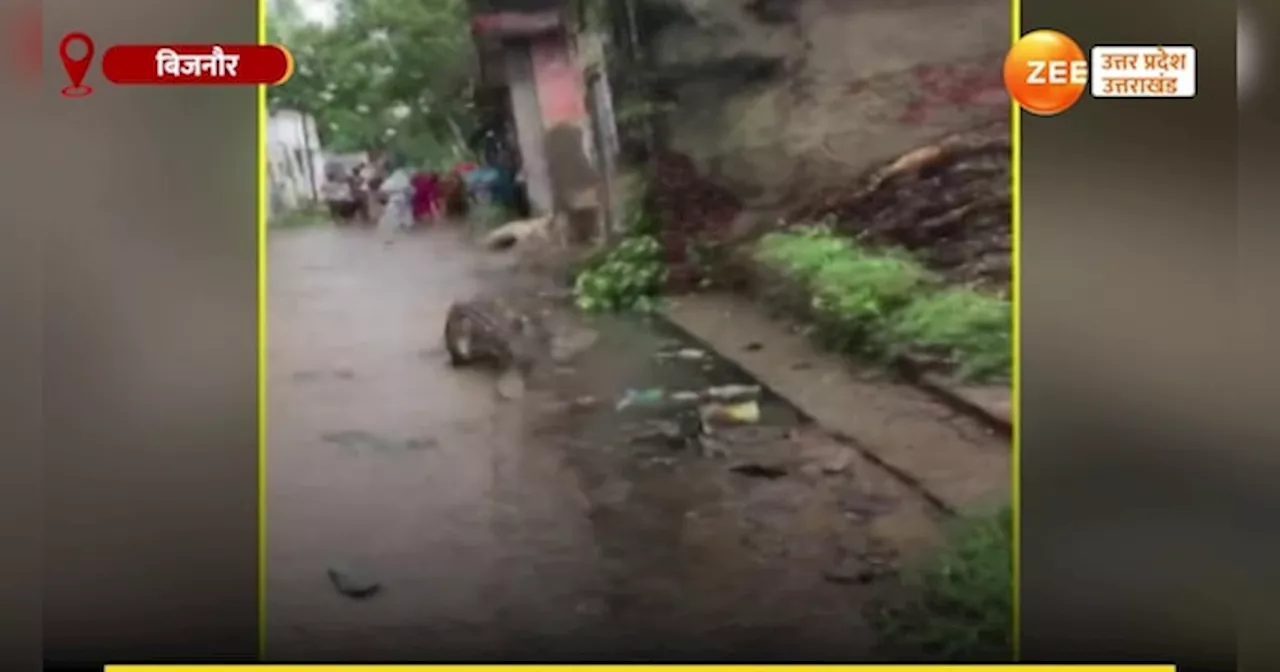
(948, 203)
(693, 215)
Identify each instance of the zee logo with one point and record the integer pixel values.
(1058, 72)
(1046, 72)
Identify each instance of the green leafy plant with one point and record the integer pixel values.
(883, 303)
(802, 253)
(628, 277)
(968, 327)
(858, 292)
(960, 602)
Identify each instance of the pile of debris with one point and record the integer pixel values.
(949, 203)
(692, 214)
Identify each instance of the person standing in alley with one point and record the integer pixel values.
(397, 189)
(426, 196)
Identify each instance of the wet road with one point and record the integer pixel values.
(540, 530)
(384, 459)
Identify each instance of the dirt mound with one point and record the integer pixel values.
(690, 212)
(949, 203)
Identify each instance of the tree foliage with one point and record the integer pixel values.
(386, 73)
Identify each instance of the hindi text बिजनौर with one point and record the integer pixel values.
(216, 63)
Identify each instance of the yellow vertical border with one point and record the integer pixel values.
(1015, 467)
(262, 344)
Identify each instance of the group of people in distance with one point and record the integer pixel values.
(391, 195)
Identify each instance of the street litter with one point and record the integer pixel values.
(720, 393)
(688, 354)
(745, 413)
(649, 397)
(733, 392)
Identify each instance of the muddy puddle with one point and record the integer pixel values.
(759, 532)
(562, 526)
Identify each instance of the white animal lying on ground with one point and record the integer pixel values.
(522, 231)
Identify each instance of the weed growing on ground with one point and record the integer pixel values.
(967, 326)
(884, 303)
(802, 254)
(961, 609)
(859, 292)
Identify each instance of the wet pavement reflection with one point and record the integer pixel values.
(413, 514)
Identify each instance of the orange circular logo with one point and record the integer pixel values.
(1046, 72)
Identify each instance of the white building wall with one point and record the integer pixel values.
(295, 161)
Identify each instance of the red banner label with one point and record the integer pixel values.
(237, 64)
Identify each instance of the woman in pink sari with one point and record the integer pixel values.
(426, 196)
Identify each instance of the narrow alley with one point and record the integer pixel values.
(554, 527)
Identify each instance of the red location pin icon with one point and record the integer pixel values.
(76, 68)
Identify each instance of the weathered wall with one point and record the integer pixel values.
(860, 82)
(527, 114)
(562, 96)
(560, 91)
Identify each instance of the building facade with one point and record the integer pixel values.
(295, 161)
(529, 51)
